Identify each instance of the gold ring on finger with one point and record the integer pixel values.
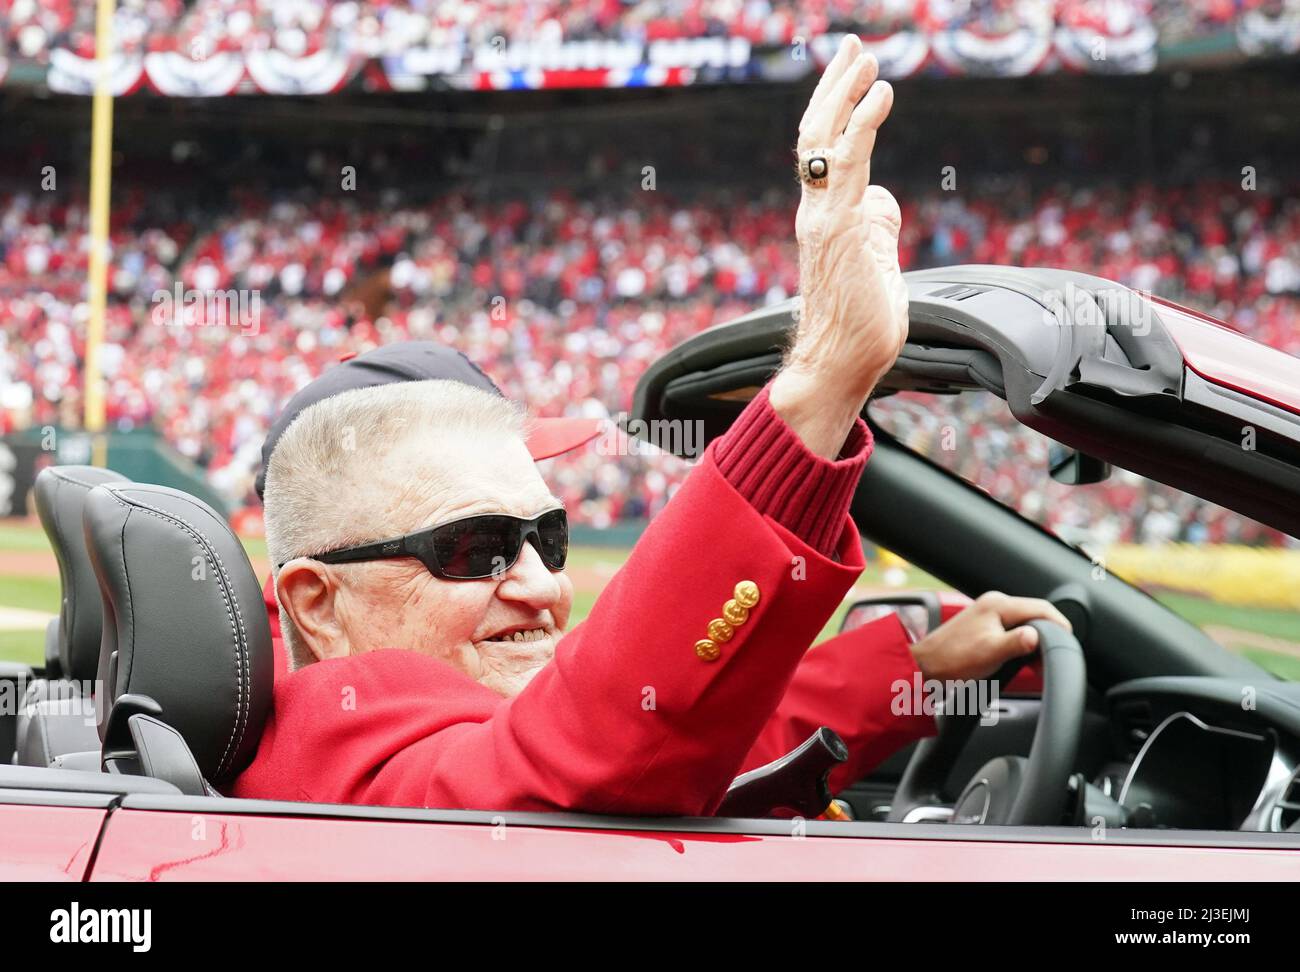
(815, 167)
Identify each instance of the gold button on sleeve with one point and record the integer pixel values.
(734, 612)
(707, 649)
(720, 630)
(746, 593)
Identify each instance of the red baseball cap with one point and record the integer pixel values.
(421, 361)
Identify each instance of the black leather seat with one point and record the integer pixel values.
(53, 649)
(186, 657)
(58, 715)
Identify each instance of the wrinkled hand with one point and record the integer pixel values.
(977, 642)
(853, 319)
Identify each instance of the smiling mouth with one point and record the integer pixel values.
(519, 636)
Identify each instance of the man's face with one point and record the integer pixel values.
(498, 631)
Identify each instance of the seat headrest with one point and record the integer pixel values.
(184, 620)
(60, 496)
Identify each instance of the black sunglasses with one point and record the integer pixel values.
(471, 548)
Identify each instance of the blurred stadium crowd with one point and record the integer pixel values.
(375, 28)
(976, 438)
(565, 295)
(555, 269)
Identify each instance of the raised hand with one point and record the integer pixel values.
(853, 319)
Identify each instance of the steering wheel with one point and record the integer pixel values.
(1007, 789)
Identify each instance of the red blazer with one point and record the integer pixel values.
(627, 718)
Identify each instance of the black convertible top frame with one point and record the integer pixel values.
(1080, 359)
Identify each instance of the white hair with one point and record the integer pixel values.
(319, 483)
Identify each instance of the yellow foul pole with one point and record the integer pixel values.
(101, 153)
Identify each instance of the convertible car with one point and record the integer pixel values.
(1136, 748)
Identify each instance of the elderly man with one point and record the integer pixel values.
(419, 564)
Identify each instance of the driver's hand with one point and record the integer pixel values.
(977, 642)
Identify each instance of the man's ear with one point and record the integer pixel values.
(308, 593)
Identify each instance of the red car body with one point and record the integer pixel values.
(59, 844)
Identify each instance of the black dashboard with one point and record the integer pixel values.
(1205, 753)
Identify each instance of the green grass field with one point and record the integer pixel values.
(1270, 638)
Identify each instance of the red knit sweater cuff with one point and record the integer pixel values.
(769, 465)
